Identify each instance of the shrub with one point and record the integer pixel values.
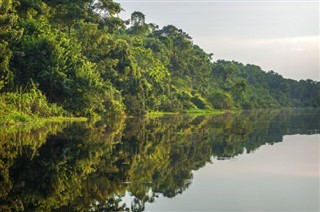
(200, 102)
(220, 100)
(23, 106)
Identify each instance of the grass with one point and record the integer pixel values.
(160, 113)
(190, 112)
(31, 107)
(63, 119)
(205, 111)
(19, 118)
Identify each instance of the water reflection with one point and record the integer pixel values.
(93, 166)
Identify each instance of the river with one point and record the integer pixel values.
(265, 160)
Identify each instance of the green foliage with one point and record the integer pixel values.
(247, 86)
(56, 63)
(220, 100)
(8, 33)
(200, 102)
(170, 105)
(23, 106)
(84, 59)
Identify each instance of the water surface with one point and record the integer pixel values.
(248, 161)
(279, 177)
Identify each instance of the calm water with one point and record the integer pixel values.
(250, 161)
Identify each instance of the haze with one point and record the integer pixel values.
(282, 36)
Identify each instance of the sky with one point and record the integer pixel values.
(282, 35)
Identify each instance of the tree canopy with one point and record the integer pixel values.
(81, 56)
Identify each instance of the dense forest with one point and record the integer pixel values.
(78, 58)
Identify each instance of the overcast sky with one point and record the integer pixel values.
(282, 36)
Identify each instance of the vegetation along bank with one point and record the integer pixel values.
(73, 58)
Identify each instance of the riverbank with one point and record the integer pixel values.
(190, 112)
(23, 119)
(17, 118)
(31, 107)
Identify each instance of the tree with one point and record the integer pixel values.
(138, 25)
(8, 33)
(57, 64)
(68, 12)
(137, 19)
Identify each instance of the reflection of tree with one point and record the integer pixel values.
(14, 141)
(53, 177)
(92, 167)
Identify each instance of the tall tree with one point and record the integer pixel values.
(8, 33)
(137, 19)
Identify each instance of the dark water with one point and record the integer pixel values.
(249, 161)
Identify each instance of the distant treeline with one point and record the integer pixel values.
(79, 58)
